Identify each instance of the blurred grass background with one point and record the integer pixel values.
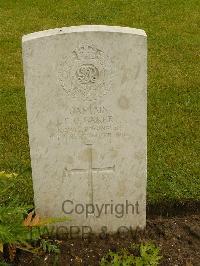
(173, 34)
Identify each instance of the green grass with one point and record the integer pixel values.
(173, 81)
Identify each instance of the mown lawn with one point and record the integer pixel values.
(173, 82)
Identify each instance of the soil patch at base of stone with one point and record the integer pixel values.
(177, 237)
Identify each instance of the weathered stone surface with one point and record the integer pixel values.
(86, 97)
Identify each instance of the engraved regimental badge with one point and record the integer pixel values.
(86, 73)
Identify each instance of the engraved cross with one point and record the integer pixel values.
(90, 170)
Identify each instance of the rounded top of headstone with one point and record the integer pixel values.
(83, 28)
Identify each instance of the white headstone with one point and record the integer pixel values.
(86, 93)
